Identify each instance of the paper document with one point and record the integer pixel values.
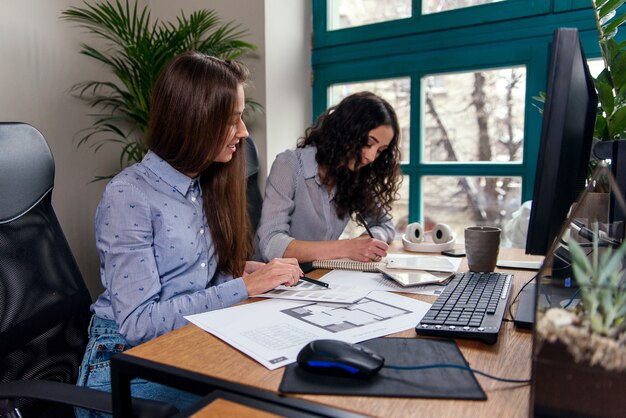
(272, 332)
(337, 293)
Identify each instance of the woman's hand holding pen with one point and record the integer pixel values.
(267, 276)
(368, 249)
(365, 248)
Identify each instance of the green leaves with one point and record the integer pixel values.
(602, 285)
(610, 84)
(135, 50)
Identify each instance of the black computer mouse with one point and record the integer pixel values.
(338, 358)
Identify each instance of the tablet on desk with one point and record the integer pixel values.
(424, 262)
(412, 277)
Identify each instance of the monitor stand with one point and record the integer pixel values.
(550, 295)
(525, 315)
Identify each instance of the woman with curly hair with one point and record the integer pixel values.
(346, 166)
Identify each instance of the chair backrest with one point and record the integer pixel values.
(253, 192)
(44, 303)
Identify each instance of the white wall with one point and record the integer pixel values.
(288, 29)
(39, 62)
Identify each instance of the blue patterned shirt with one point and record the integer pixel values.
(298, 206)
(157, 258)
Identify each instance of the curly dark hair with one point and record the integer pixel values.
(339, 134)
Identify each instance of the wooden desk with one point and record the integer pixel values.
(194, 350)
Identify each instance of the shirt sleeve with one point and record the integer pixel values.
(274, 231)
(129, 271)
(382, 230)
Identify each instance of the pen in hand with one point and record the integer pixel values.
(317, 282)
(362, 220)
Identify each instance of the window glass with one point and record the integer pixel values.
(350, 13)
(397, 91)
(474, 116)
(400, 211)
(595, 66)
(466, 201)
(437, 6)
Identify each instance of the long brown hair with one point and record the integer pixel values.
(339, 134)
(192, 104)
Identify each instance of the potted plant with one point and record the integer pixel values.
(579, 353)
(135, 49)
(611, 82)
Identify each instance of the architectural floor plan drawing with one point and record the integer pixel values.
(333, 318)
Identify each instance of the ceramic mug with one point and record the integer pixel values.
(482, 244)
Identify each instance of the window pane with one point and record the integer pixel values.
(474, 116)
(349, 13)
(397, 91)
(596, 66)
(400, 211)
(466, 201)
(436, 6)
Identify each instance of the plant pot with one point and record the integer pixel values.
(564, 387)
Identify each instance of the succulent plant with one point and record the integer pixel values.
(601, 276)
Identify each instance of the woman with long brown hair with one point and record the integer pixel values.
(172, 231)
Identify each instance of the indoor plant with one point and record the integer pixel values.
(579, 355)
(611, 82)
(135, 49)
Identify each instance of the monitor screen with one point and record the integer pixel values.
(566, 139)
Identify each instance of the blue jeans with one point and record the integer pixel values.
(95, 370)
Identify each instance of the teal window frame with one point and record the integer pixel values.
(417, 23)
(402, 50)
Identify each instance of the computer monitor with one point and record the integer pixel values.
(569, 116)
(566, 141)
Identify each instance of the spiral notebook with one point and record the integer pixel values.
(393, 261)
(347, 264)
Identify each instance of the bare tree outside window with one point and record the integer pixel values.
(495, 98)
(472, 117)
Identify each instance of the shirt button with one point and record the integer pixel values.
(203, 265)
(193, 199)
(202, 231)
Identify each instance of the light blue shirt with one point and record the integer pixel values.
(298, 206)
(157, 258)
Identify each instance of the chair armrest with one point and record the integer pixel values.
(80, 396)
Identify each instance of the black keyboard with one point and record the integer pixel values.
(471, 306)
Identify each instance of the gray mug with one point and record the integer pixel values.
(482, 244)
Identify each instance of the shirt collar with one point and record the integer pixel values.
(311, 169)
(162, 169)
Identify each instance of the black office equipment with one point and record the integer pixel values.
(441, 383)
(254, 198)
(616, 152)
(471, 306)
(566, 141)
(339, 358)
(44, 303)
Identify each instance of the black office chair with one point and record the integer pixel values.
(44, 303)
(253, 192)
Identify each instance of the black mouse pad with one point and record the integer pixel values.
(444, 383)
